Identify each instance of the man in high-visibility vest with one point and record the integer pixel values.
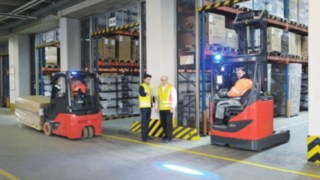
(145, 105)
(242, 85)
(167, 101)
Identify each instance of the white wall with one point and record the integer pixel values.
(70, 44)
(19, 66)
(314, 66)
(161, 42)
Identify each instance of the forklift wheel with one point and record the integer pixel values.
(90, 132)
(85, 133)
(47, 129)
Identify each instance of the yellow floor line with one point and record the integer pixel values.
(7, 175)
(215, 157)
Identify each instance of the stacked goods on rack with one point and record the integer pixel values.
(107, 93)
(278, 89)
(119, 94)
(293, 10)
(304, 47)
(295, 71)
(274, 7)
(303, 12)
(118, 48)
(30, 110)
(274, 39)
(135, 50)
(304, 101)
(123, 48)
(47, 85)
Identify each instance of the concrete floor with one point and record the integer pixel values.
(118, 154)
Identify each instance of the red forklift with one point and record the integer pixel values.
(248, 125)
(73, 112)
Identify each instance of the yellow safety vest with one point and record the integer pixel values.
(165, 99)
(145, 101)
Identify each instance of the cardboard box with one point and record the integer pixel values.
(187, 31)
(304, 46)
(109, 48)
(274, 39)
(124, 47)
(231, 39)
(32, 103)
(100, 48)
(216, 29)
(135, 49)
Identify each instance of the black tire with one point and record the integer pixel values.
(90, 132)
(47, 129)
(85, 133)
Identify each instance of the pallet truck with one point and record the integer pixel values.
(249, 125)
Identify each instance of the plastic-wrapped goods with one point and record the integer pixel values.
(303, 12)
(274, 7)
(285, 42)
(279, 8)
(293, 10)
(304, 100)
(231, 38)
(109, 112)
(298, 44)
(278, 89)
(304, 46)
(295, 71)
(292, 45)
(274, 39)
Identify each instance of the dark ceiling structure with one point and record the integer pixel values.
(16, 12)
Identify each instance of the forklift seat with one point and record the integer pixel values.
(236, 109)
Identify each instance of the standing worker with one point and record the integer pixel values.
(145, 105)
(167, 100)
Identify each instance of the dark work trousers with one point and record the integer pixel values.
(145, 118)
(166, 123)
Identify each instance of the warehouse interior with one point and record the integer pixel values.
(110, 45)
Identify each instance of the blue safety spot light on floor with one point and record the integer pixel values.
(188, 171)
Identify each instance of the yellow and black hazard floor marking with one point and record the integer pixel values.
(156, 130)
(314, 149)
(108, 30)
(220, 4)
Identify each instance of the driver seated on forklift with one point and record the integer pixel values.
(78, 89)
(241, 86)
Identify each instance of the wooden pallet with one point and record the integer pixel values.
(121, 116)
(245, 9)
(274, 53)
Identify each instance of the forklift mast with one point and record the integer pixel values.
(248, 25)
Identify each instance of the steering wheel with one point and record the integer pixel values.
(222, 92)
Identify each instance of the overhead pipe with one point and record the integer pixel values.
(17, 16)
(24, 7)
(42, 12)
